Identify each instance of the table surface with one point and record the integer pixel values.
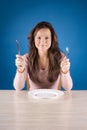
(19, 111)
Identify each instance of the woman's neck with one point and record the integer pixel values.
(43, 55)
(43, 60)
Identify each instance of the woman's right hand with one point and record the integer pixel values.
(20, 63)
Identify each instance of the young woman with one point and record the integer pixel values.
(45, 66)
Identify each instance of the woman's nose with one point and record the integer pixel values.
(42, 40)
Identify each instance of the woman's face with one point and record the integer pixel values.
(43, 39)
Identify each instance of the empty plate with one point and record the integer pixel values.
(45, 93)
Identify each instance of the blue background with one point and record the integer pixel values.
(69, 19)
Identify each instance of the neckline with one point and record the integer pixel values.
(45, 69)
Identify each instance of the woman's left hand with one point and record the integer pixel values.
(65, 65)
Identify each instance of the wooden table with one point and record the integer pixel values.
(18, 111)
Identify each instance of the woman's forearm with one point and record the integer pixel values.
(66, 81)
(19, 80)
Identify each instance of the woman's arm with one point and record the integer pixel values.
(19, 80)
(20, 76)
(66, 81)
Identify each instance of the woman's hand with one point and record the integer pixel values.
(20, 63)
(65, 65)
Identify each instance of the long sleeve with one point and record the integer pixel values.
(66, 81)
(20, 78)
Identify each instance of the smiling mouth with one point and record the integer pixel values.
(42, 45)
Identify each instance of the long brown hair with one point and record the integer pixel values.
(54, 54)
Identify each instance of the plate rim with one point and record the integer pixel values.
(31, 92)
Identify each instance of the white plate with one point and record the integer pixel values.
(45, 93)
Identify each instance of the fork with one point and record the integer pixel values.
(67, 52)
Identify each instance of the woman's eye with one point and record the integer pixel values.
(46, 38)
(39, 38)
